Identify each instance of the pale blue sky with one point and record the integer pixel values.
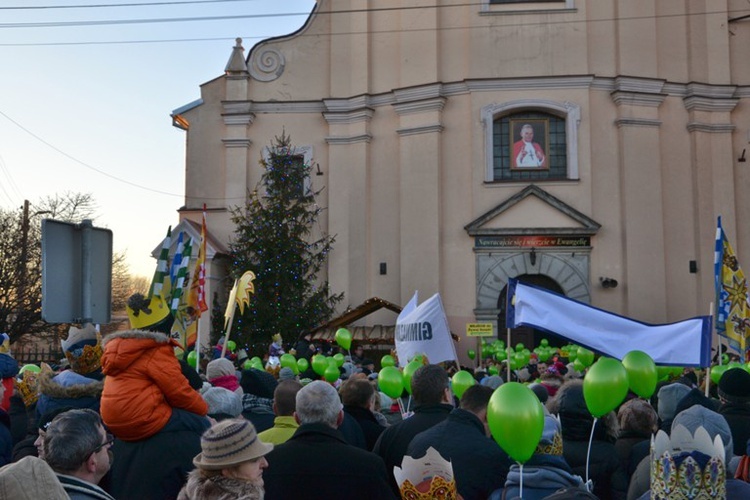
(107, 104)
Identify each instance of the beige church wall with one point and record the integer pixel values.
(683, 296)
(205, 173)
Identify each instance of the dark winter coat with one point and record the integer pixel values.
(67, 389)
(392, 444)
(316, 463)
(610, 479)
(625, 446)
(738, 418)
(480, 466)
(6, 440)
(155, 468)
(218, 487)
(371, 429)
(543, 475)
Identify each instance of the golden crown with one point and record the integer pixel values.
(145, 313)
(553, 448)
(87, 358)
(27, 385)
(687, 466)
(429, 477)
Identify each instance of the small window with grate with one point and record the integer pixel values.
(529, 146)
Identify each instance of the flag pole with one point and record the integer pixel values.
(198, 346)
(708, 368)
(507, 359)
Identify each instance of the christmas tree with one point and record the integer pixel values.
(275, 238)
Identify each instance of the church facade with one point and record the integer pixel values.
(587, 147)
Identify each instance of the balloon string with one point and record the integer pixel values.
(588, 452)
(408, 403)
(520, 483)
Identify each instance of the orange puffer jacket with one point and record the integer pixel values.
(143, 383)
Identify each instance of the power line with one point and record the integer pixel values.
(107, 174)
(97, 6)
(58, 24)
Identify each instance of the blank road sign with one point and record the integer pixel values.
(63, 273)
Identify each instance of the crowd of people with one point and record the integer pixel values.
(123, 418)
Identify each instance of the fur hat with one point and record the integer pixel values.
(638, 416)
(734, 386)
(222, 401)
(83, 349)
(219, 368)
(229, 443)
(669, 396)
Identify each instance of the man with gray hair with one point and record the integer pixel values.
(316, 462)
(77, 448)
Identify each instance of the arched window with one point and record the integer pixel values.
(531, 140)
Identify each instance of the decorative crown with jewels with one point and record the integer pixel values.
(83, 349)
(429, 477)
(687, 466)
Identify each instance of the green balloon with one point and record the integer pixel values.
(544, 342)
(520, 347)
(717, 372)
(29, 368)
(391, 382)
(572, 353)
(344, 338)
(408, 372)
(461, 381)
(493, 370)
(486, 351)
(605, 386)
(256, 359)
(339, 359)
(192, 358)
(231, 345)
(302, 365)
(247, 364)
(387, 360)
(331, 373)
(471, 354)
(319, 364)
(585, 356)
(516, 420)
(258, 365)
(642, 374)
(288, 361)
(578, 366)
(501, 355)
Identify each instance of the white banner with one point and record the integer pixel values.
(685, 343)
(424, 330)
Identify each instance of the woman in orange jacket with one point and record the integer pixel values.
(143, 385)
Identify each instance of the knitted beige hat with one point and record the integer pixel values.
(219, 368)
(229, 443)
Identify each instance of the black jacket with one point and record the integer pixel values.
(480, 466)
(368, 423)
(738, 418)
(605, 469)
(156, 468)
(316, 463)
(394, 441)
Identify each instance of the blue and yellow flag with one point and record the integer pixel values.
(731, 295)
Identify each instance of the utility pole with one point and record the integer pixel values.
(24, 254)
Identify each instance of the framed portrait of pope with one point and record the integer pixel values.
(530, 138)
